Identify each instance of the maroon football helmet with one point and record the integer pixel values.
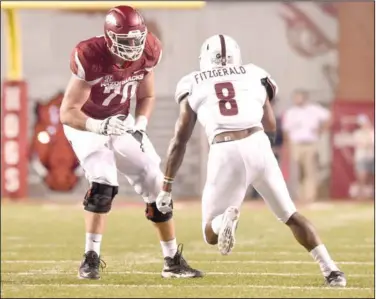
(125, 32)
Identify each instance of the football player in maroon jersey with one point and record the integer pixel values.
(107, 71)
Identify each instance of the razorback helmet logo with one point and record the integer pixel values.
(51, 147)
(110, 19)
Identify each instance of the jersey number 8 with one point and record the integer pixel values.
(226, 94)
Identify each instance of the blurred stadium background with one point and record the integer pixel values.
(325, 48)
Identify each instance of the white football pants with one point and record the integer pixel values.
(234, 166)
(102, 157)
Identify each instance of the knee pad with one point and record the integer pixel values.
(99, 197)
(153, 214)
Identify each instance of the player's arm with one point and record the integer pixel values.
(76, 94)
(183, 132)
(270, 87)
(266, 80)
(145, 101)
(269, 122)
(146, 92)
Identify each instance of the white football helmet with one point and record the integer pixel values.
(219, 50)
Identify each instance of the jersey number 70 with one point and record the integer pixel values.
(226, 94)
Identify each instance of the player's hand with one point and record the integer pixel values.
(164, 202)
(113, 125)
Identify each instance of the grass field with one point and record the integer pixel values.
(42, 245)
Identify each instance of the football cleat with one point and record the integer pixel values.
(177, 266)
(226, 236)
(89, 268)
(336, 279)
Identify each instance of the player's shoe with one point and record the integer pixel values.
(336, 279)
(226, 236)
(89, 268)
(177, 267)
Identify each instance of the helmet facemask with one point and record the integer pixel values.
(128, 46)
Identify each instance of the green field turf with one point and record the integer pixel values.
(42, 245)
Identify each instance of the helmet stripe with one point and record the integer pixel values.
(223, 49)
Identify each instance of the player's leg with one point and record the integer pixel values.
(272, 187)
(223, 195)
(100, 170)
(141, 168)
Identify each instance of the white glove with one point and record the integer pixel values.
(113, 125)
(164, 202)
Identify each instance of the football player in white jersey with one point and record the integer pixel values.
(232, 103)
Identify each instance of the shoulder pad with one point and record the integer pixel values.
(152, 51)
(88, 59)
(256, 70)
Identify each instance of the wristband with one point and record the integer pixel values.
(93, 125)
(168, 180)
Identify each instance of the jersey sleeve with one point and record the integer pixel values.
(154, 49)
(266, 80)
(184, 87)
(83, 64)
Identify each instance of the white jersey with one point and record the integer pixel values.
(228, 98)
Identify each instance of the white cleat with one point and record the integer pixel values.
(226, 236)
(336, 279)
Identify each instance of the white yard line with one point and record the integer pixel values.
(56, 272)
(39, 261)
(261, 243)
(194, 261)
(10, 249)
(193, 286)
(294, 253)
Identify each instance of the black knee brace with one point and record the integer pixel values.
(98, 198)
(153, 214)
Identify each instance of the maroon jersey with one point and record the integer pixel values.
(112, 86)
